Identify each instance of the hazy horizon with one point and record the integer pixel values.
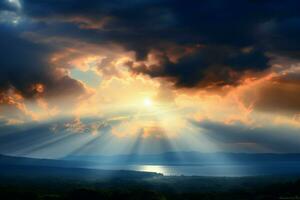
(150, 76)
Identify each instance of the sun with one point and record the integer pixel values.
(148, 102)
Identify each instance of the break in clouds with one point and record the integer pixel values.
(222, 61)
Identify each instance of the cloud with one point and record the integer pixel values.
(281, 94)
(25, 64)
(13, 107)
(272, 139)
(235, 40)
(207, 67)
(191, 44)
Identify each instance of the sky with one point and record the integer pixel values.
(149, 76)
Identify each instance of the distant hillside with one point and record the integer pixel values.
(181, 158)
(40, 168)
(24, 161)
(171, 163)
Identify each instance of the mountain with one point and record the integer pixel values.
(40, 168)
(169, 163)
(187, 158)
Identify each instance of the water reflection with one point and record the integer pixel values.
(153, 168)
(228, 170)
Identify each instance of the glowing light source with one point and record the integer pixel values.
(15, 3)
(148, 102)
(154, 168)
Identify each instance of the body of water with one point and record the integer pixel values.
(229, 170)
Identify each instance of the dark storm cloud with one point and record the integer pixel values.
(209, 66)
(235, 37)
(282, 94)
(25, 64)
(265, 26)
(281, 36)
(5, 5)
(278, 139)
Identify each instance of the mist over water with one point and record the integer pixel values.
(212, 169)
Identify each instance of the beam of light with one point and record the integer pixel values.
(147, 126)
(15, 3)
(9, 17)
(154, 168)
(88, 144)
(45, 144)
(83, 148)
(148, 102)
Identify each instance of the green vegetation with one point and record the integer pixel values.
(149, 188)
(25, 182)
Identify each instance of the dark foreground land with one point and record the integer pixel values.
(38, 179)
(25, 182)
